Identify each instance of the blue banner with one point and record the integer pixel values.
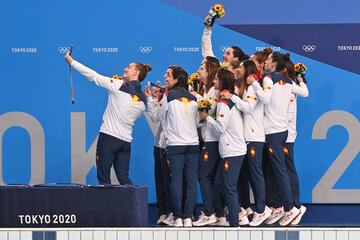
(46, 139)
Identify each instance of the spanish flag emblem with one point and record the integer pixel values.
(226, 166)
(270, 150)
(286, 151)
(206, 156)
(184, 100)
(252, 152)
(135, 98)
(282, 82)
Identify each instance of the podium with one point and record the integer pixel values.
(73, 206)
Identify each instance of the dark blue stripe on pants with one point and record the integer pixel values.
(231, 171)
(162, 178)
(112, 151)
(183, 161)
(275, 148)
(294, 179)
(254, 156)
(208, 165)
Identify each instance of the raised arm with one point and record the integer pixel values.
(206, 45)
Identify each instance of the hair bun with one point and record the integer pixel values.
(287, 56)
(267, 51)
(148, 67)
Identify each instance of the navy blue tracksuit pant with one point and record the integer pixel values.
(272, 198)
(183, 161)
(112, 151)
(254, 156)
(208, 165)
(162, 178)
(243, 185)
(275, 149)
(294, 179)
(231, 171)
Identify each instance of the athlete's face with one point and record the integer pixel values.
(259, 66)
(203, 74)
(169, 79)
(228, 56)
(270, 65)
(130, 72)
(241, 71)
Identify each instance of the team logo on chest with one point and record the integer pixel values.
(135, 98)
(282, 82)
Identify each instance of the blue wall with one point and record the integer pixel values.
(107, 35)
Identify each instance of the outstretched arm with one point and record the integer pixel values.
(108, 83)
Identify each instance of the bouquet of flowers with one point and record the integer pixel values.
(193, 82)
(224, 65)
(300, 70)
(217, 11)
(204, 105)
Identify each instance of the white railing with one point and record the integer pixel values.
(159, 233)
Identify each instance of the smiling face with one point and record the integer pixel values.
(270, 65)
(169, 79)
(228, 56)
(130, 72)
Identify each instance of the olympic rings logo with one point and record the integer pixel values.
(309, 48)
(223, 48)
(145, 49)
(63, 50)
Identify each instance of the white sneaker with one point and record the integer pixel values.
(298, 218)
(205, 220)
(289, 216)
(259, 218)
(169, 220)
(178, 222)
(275, 216)
(243, 219)
(161, 220)
(220, 222)
(249, 211)
(188, 222)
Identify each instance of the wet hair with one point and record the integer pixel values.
(280, 60)
(143, 70)
(227, 80)
(250, 68)
(290, 70)
(181, 75)
(212, 66)
(261, 56)
(240, 54)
